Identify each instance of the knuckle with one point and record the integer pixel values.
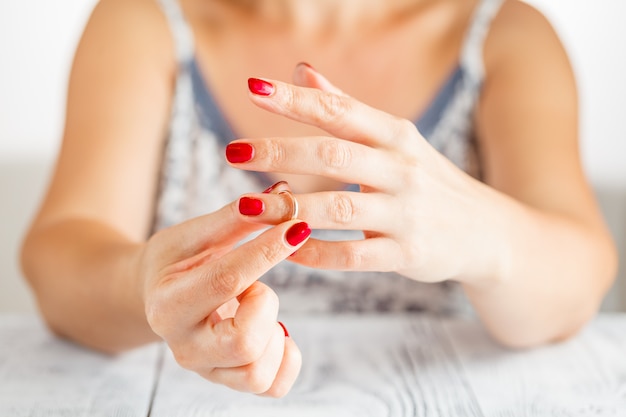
(247, 348)
(290, 99)
(269, 296)
(332, 108)
(268, 299)
(405, 127)
(342, 208)
(258, 380)
(281, 386)
(275, 153)
(314, 257)
(224, 283)
(406, 136)
(412, 179)
(354, 258)
(335, 154)
(271, 254)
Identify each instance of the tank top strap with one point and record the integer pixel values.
(181, 31)
(472, 51)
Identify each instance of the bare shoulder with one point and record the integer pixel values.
(137, 27)
(527, 118)
(118, 104)
(520, 31)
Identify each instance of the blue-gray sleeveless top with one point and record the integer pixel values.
(195, 179)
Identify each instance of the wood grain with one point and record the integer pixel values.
(379, 366)
(585, 376)
(389, 365)
(41, 375)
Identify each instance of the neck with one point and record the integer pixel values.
(319, 16)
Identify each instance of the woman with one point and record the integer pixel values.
(465, 157)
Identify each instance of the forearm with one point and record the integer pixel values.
(82, 275)
(553, 273)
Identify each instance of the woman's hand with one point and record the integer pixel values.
(203, 298)
(422, 216)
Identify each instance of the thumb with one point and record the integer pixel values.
(304, 75)
(217, 231)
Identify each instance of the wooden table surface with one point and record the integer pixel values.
(390, 365)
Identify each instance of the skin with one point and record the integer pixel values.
(529, 245)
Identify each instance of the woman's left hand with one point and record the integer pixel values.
(422, 216)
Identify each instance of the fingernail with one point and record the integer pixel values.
(306, 64)
(297, 233)
(284, 329)
(239, 152)
(273, 187)
(251, 206)
(260, 87)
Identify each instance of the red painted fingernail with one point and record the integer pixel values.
(251, 206)
(297, 233)
(272, 187)
(284, 329)
(239, 152)
(260, 87)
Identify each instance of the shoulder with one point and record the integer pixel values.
(141, 14)
(519, 32)
(132, 29)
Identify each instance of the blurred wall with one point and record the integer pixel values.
(37, 40)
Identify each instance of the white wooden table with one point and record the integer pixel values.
(353, 366)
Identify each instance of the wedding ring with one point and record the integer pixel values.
(294, 203)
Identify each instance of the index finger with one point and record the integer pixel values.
(338, 114)
(188, 240)
(193, 296)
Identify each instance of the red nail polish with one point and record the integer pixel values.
(271, 188)
(260, 87)
(284, 329)
(239, 152)
(251, 206)
(297, 233)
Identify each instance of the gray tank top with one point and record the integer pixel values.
(195, 179)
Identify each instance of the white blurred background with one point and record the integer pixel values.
(37, 41)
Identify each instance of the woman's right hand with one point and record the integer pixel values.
(201, 295)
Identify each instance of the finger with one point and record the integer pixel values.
(187, 301)
(256, 377)
(242, 339)
(320, 155)
(189, 240)
(339, 115)
(332, 210)
(380, 254)
(226, 310)
(304, 75)
(288, 371)
(232, 341)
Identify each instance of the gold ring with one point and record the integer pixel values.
(294, 203)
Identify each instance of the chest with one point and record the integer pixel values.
(398, 69)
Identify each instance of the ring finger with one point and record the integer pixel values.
(372, 212)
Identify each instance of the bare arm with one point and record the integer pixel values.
(97, 210)
(561, 258)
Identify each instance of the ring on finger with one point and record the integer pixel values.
(294, 204)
